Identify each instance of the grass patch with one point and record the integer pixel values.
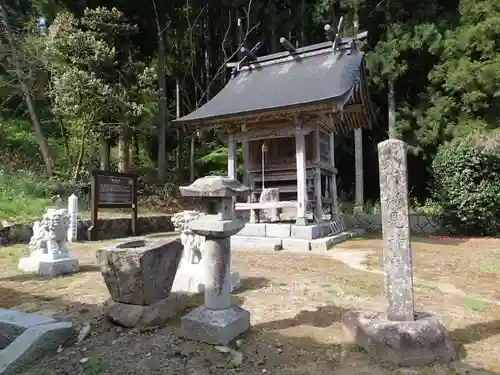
(94, 366)
(489, 267)
(23, 195)
(474, 304)
(22, 209)
(45, 298)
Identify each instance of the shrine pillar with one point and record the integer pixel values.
(317, 176)
(231, 159)
(300, 156)
(358, 161)
(333, 184)
(246, 166)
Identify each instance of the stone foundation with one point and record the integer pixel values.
(420, 225)
(404, 343)
(109, 228)
(142, 316)
(215, 327)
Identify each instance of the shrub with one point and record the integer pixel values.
(466, 176)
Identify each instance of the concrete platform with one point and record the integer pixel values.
(285, 230)
(48, 267)
(27, 337)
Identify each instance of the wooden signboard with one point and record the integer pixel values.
(112, 190)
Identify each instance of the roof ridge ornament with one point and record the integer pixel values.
(337, 37)
(248, 56)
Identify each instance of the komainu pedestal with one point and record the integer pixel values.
(190, 277)
(49, 254)
(139, 274)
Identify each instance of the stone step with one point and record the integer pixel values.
(286, 230)
(292, 244)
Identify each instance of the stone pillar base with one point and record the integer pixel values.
(154, 315)
(215, 327)
(190, 279)
(411, 343)
(48, 267)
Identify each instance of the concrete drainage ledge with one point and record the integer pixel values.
(24, 338)
(293, 244)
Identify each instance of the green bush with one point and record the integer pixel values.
(466, 175)
(22, 195)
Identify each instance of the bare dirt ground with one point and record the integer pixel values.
(296, 301)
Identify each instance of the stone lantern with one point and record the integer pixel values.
(216, 322)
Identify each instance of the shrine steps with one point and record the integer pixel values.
(287, 236)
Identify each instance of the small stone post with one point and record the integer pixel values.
(217, 322)
(73, 218)
(396, 229)
(400, 336)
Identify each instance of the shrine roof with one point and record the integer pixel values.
(312, 75)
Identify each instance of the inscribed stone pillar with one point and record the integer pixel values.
(358, 158)
(333, 185)
(300, 156)
(396, 230)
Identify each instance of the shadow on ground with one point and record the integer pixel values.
(252, 283)
(84, 268)
(111, 350)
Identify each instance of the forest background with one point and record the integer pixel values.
(96, 84)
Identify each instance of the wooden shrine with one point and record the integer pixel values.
(285, 109)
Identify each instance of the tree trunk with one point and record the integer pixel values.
(208, 51)
(135, 150)
(191, 157)
(391, 100)
(104, 152)
(81, 153)
(124, 149)
(162, 134)
(391, 96)
(303, 18)
(42, 141)
(178, 155)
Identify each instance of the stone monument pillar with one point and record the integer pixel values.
(216, 322)
(73, 218)
(399, 336)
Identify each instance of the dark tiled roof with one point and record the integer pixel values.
(282, 82)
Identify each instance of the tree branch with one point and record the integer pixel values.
(222, 67)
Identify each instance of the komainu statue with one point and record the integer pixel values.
(49, 235)
(192, 242)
